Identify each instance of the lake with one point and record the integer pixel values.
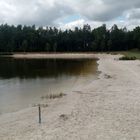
(24, 81)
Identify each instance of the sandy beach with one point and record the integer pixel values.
(106, 109)
(53, 55)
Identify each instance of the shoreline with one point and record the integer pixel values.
(52, 55)
(107, 108)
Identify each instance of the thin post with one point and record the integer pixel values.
(39, 109)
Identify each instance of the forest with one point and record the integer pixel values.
(50, 39)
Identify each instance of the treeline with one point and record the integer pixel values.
(31, 39)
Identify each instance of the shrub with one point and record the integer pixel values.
(127, 58)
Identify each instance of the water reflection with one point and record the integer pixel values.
(44, 68)
(24, 81)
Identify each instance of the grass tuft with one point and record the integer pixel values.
(53, 96)
(107, 76)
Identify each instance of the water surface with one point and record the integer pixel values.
(24, 81)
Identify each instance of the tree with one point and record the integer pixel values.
(47, 47)
(33, 39)
(24, 45)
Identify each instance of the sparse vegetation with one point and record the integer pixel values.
(53, 96)
(107, 76)
(127, 58)
(64, 117)
(132, 54)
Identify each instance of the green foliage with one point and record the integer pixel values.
(24, 45)
(31, 39)
(132, 53)
(127, 58)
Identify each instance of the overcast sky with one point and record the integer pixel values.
(70, 13)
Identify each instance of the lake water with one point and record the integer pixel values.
(24, 81)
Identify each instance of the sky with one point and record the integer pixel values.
(70, 13)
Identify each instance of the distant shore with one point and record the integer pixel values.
(52, 55)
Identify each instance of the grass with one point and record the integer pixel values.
(132, 54)
(107, 76)
(127, 58)
(53, 96)
(64, 117)
(128, 55)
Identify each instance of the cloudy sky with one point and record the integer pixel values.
(71, 13)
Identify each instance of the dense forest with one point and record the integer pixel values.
(47, 39)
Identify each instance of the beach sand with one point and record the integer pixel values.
(53, 55)
(106, 109)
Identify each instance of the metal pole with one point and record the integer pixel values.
(39, 109)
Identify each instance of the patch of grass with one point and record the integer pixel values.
(129, 55)
(132, 54)
(53, 96)
(107, 76)
(64, 117)
(127, 58)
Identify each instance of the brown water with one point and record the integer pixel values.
(24, 81)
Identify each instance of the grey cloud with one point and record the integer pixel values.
(134, 14)
(47, 16)
(49, 12)
(105, 10)
(36, 12)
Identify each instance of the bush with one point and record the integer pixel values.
(127, 58)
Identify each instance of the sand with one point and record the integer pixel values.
(106, 109)
(53, 55)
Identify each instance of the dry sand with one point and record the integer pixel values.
(53, 55)
(106, 109)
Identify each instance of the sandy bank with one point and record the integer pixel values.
(54, 55)
(106, 109)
